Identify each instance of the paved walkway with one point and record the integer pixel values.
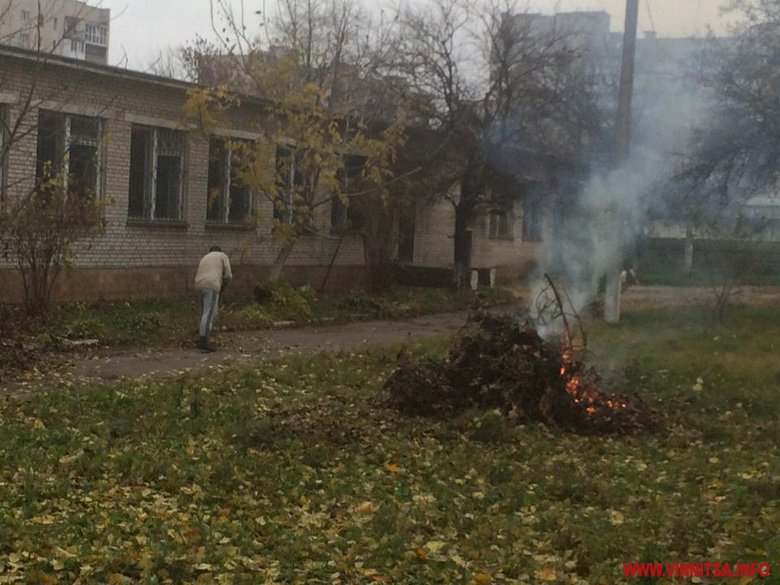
(244, 347)
(105, 364)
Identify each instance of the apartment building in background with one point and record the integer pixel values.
(68, 28)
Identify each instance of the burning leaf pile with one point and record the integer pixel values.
(506, 366)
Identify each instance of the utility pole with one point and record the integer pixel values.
(623, 129)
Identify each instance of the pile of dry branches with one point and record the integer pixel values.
(505, 364)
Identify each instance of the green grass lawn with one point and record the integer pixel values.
(294, 471)
(174, 321)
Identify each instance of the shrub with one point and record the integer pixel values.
(360, 302)
(247, 317)
(285, 300)
(84, 328)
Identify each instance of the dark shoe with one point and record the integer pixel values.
(204, 345)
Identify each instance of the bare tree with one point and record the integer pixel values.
(505, 98)
(735, 151)
(43, 216)
(173, 63)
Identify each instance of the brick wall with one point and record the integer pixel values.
(433, 234)
(98, 284)
(433, 242)
(138, 257)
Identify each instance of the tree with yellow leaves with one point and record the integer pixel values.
(321, 138)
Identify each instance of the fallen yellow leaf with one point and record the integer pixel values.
(616, 518)
(546, 574)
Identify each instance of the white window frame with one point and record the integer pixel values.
(498, 219)
(344, 221)
(289, 213)
(3, 153)
(226, 164)
(65, 169)
(533, 219)
(151, 156)
(96, 34)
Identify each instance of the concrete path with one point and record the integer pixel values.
(242, 347)
(107, 364)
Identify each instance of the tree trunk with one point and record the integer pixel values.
(462, 245)
(379, 244)
(281, 260)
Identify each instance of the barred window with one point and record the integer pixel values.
(156, 173)
(69, 145)
(343, 216)
(3, 150)
(500, 224)
(288, 180)
(229, 198)
(532, 218)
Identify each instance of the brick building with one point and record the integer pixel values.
(123, 135)
(507, 238)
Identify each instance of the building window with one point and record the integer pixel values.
(3, 151)
(532, 219)
(96, 34)
(500, 226)
(55, 23)
(229, 198)
(76, 46)
(71, 24)
(156, 173)
(25, 16)
(288, 181)
(69, 147)
(24, 40)
(344, 217)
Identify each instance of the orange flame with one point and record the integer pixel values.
(591, 399)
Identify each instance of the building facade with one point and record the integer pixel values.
(68, 28)
(122, 136)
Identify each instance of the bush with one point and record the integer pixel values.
(144, 322)
(360, 302)
(285, 300)
(246, 317)
(84, 328)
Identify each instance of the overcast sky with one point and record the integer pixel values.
(141, 29)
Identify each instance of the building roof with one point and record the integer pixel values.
(37, 57)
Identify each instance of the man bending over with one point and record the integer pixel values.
(213, 276)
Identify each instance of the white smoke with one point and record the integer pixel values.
(611, 207)
(608, 216)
